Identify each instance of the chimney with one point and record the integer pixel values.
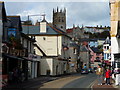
(43, 27)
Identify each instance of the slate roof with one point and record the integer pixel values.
(83, 49)
(15, 22)
(73, 44)
(2, 11)
(69, 30)
(95, 50)
(107, 41)
(95, 39)
(35, 30)
(85, 39)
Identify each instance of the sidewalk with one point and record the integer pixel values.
(37, 82)
(95, 86)
(32, 84)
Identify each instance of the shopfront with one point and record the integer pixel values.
(33, 66)
(9, 63)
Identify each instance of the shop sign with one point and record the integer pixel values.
(11, 34)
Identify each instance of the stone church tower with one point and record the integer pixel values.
(59, 19)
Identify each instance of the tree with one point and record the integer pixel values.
(105, 34)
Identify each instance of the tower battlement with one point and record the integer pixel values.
(59, 18)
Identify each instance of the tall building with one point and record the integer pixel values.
(59, 19)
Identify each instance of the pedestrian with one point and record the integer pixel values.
(99, 73)
(107, 76)
(15, 74)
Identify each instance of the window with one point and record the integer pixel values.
(62, 19)
(61, 26)
(59, 19)
(47, 29)
(30, 46)
(44, 38)
(75, 51)
(104, 47)
(97, 58)
(105, 56)
(23, 41)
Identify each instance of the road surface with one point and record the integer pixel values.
(74, 81)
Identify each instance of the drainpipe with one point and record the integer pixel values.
(57, 45)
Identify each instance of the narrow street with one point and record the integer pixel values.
(74, 81)
(84, 82)
(64, 45)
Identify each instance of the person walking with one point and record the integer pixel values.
(107, 76)
(99, 72)
(15, 75)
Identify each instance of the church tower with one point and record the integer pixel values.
(59, 19)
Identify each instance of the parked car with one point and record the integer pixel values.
(90, 70)
(84, 71)
(95, 69)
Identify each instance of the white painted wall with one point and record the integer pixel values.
(46, 64)
(114, 47)
(38, 51)
(57, 67)
(51, 45)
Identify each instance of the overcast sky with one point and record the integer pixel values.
(78, 13)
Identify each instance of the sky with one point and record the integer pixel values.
(79, 13)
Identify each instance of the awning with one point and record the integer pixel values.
(14, 57)
(26, 58)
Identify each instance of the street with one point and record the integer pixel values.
(49, 51)
(84, 82)
(74, 81)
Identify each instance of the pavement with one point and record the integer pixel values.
(32, 84)
(29, 83)
(112, 86)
